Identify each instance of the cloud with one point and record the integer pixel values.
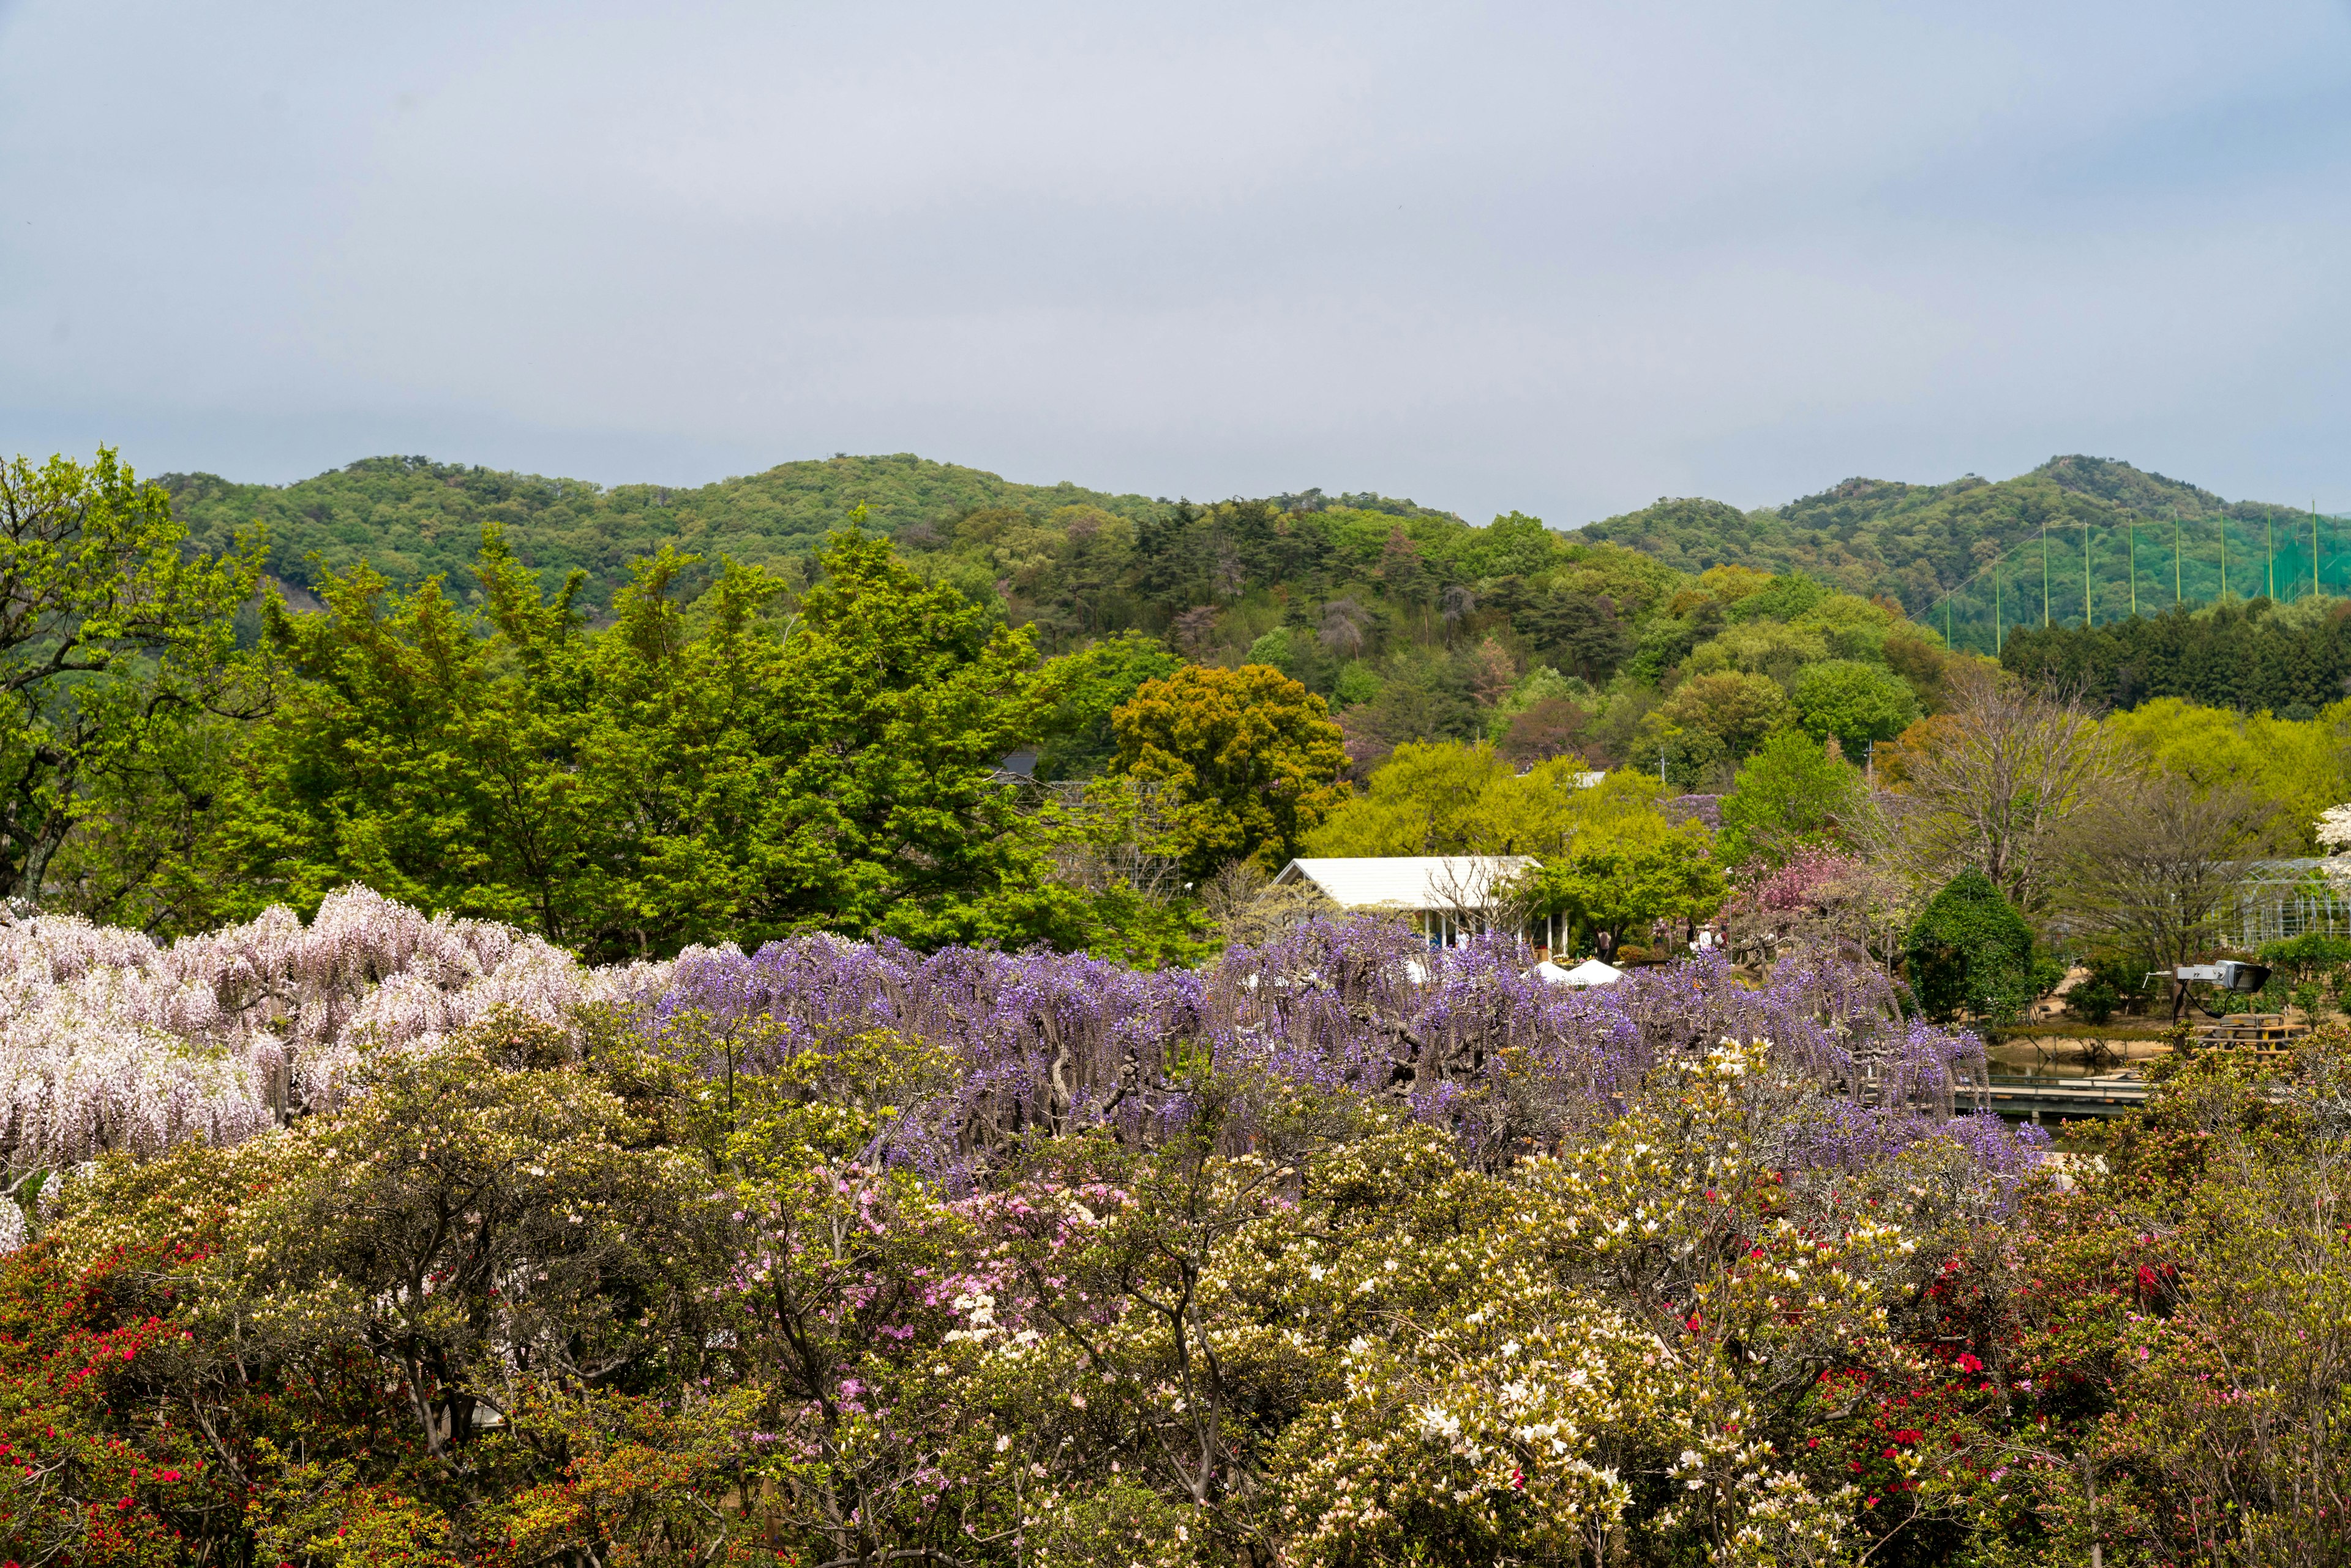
(1558, 257)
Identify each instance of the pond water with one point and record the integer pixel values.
(2060, 1057)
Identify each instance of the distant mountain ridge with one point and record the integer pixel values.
(412, 517)
(1915, 542)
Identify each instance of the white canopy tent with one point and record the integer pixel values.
(1591, 972)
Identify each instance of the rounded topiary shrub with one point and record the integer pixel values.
(1969, 951)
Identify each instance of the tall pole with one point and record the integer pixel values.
(2269, 537)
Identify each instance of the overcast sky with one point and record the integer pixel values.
(1560, 258)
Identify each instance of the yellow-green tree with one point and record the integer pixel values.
(1711, 719)
(1250, 756)
(1452, 799)
(2303, 765)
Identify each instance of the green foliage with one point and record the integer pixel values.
(1632, 873)
(1785, 598)
(1250, 755)
(1856, 703)
(699, 773)
(2116, 981)
(1790, 796)
(2092, 1000)
(2313, 959)
(410, 519)
(116, 658)
(1454, 798)
(1415, 623)
(1912, 542)
(1710, 722)
(1078, 742)
(1969, 951)
(2305, 766)
(2249, 657)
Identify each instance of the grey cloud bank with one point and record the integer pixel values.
(1562, 258)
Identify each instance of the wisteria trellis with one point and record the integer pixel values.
(108, 1042)
(1466, 1035)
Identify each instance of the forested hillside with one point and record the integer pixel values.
(2290, 660)
(411, 517)
(1914, 542)
(1409, 622)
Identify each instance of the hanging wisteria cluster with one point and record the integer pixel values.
(1467, 1036)
(108, 1042)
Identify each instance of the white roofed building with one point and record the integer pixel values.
(1448, 897)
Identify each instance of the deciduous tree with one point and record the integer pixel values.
(1990, 784)
(1790, 795)
(116, 644)
(1250, 757)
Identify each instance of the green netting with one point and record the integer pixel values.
(2078, 575)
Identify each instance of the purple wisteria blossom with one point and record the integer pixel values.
(1467, 1037)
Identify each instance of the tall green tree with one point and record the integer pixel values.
(116, 645)
(1789, 796)
(1855, 701)
(424, 750)
(843, 776)
(1250, 756)
(708, 769)
(1078, 742)
(1623, 882)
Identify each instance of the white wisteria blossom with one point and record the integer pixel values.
(2335, 838)
(108, 1042)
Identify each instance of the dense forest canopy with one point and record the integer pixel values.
(2291, 660)
(782, 732)
(1916, 542)
(411, 517)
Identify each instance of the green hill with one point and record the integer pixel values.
(1915, 542)
(411, 517)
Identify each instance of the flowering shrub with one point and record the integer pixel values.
(1463, 1037)
(1341, 1252)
